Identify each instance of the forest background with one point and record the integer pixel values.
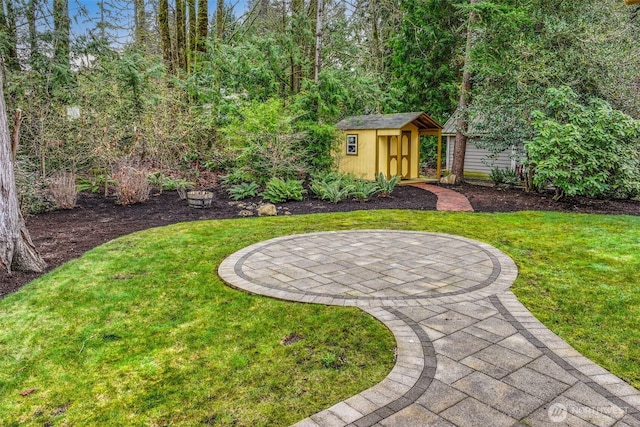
(174, 90)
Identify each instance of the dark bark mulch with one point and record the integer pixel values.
(496, 199)
(64, 235)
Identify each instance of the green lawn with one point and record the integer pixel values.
(140, 331)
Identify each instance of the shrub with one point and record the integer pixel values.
(364, 190)
(278, 190)
(99, 182)
(243, 190)
(505, 177)
(589, 150)
(236, 177)
(164, 182)
(32, 194)
(132, 185)
(268, 145)
(319, 140)
(387, 185)
(62, 187)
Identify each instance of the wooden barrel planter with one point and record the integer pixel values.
(199, 199)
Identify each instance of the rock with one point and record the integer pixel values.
(245, 213)
(449, 179)
(267, 209)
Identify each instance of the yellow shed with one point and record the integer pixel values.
(388, 143)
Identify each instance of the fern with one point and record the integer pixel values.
(243, 190)
(278, 190)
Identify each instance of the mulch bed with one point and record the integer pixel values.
(63, 235)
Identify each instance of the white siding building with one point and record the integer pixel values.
(478, 162)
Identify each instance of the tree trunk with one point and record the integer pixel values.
(297, 33)
(318, 65)
(193, 33)
(140, 17)
(220, 19)
(460, 146)
(165, 36)
(181, 34)
(17, 251)
(203, 26)
(33, 33)
(62, 27)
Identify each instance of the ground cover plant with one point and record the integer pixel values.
(142, 328)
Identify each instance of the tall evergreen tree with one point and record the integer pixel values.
(8, 28)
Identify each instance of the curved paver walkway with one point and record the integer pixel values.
(448, 200)
(468, 352)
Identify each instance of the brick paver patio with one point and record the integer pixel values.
(469, 354)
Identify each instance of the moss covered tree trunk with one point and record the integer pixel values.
(193, 33)
(140, 24)
(165, 35)
(203, 26)
(181, 35)
(17, 251)
(220, 20)
(62, 29)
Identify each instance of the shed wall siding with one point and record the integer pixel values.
(473, 161)
(363, 164)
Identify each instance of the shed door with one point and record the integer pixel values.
(405, 154)
(393, 163)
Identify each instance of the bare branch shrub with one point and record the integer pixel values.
(62, 187)
(132, 185)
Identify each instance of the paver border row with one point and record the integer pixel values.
(415, 367)
(586, 371)
(504, 272)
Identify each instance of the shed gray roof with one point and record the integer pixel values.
(388, 121)
(450, 126)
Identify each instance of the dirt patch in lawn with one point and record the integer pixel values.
(64, 235)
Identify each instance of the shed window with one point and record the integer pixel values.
(352, 145)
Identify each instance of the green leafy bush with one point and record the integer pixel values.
(266, 142)
(590, 150)
(243, 190)
(278, 190)
(387, 185)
